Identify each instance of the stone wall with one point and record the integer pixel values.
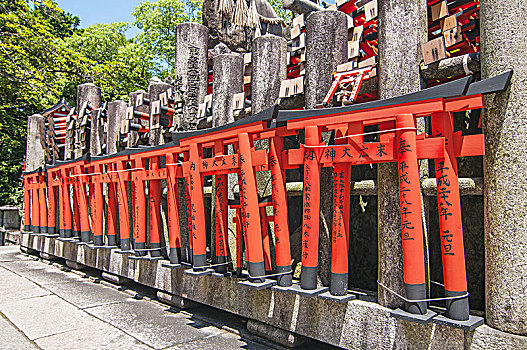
(357, 324)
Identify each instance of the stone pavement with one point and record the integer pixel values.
(42, 306)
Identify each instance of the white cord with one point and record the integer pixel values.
(121, 171)
(420, 300)
(85, 174)
(276, 274)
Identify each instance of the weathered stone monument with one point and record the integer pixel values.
(156, 131)
(35, 151)
(191, 70)
(269, 66)
(326, 40)
(399, 57)
(228, 81)
(88, 98)
(505, 168)
(115, 115)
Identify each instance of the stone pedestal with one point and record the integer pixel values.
(505, 166)
(399, 57)
(326, 48)
(191, 70)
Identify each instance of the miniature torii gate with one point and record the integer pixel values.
(398, 142)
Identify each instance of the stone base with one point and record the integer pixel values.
(408, 316)
(47, 256)
(174, 300)
(356, 324)
(221, 275)
(171, 266)
(337, 298)
(296, 289)
(485, 337)
(91, 246)
(277, 335)
(469, 325)
(74, 265)
(145, 258)
(193, 272)
(267, 283)
(69, 239)
(120, 251)
(114, 278)
(12, 237)
(26, 250)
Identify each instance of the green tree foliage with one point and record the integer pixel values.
(280, 11)
(158, 21)
(33, 68)
(115, 64)
(44, 55)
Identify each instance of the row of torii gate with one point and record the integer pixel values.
(75, 189)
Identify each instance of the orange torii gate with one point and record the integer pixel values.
(77, 187)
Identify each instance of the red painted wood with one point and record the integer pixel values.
(410, 202)
(449, 207)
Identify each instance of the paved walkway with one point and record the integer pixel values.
(42, 306)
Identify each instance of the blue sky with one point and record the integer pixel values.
(101, 11)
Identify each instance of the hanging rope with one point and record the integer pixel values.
(226, 7)
(240, 14)
(247, 16)
(253, 18)
(275, 20)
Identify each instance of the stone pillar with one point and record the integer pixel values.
(35, 147)
(156, 87)
(35, 160)
(191, 69)
(269, 68)
(505, 166)
(158, 224)
(10, 218)
(399, 57)
(69, 142)
(88, 92)
(133, 136)
(85, 93)
(326, 48)
(96, 133)
(115, 114)
(228, 80)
